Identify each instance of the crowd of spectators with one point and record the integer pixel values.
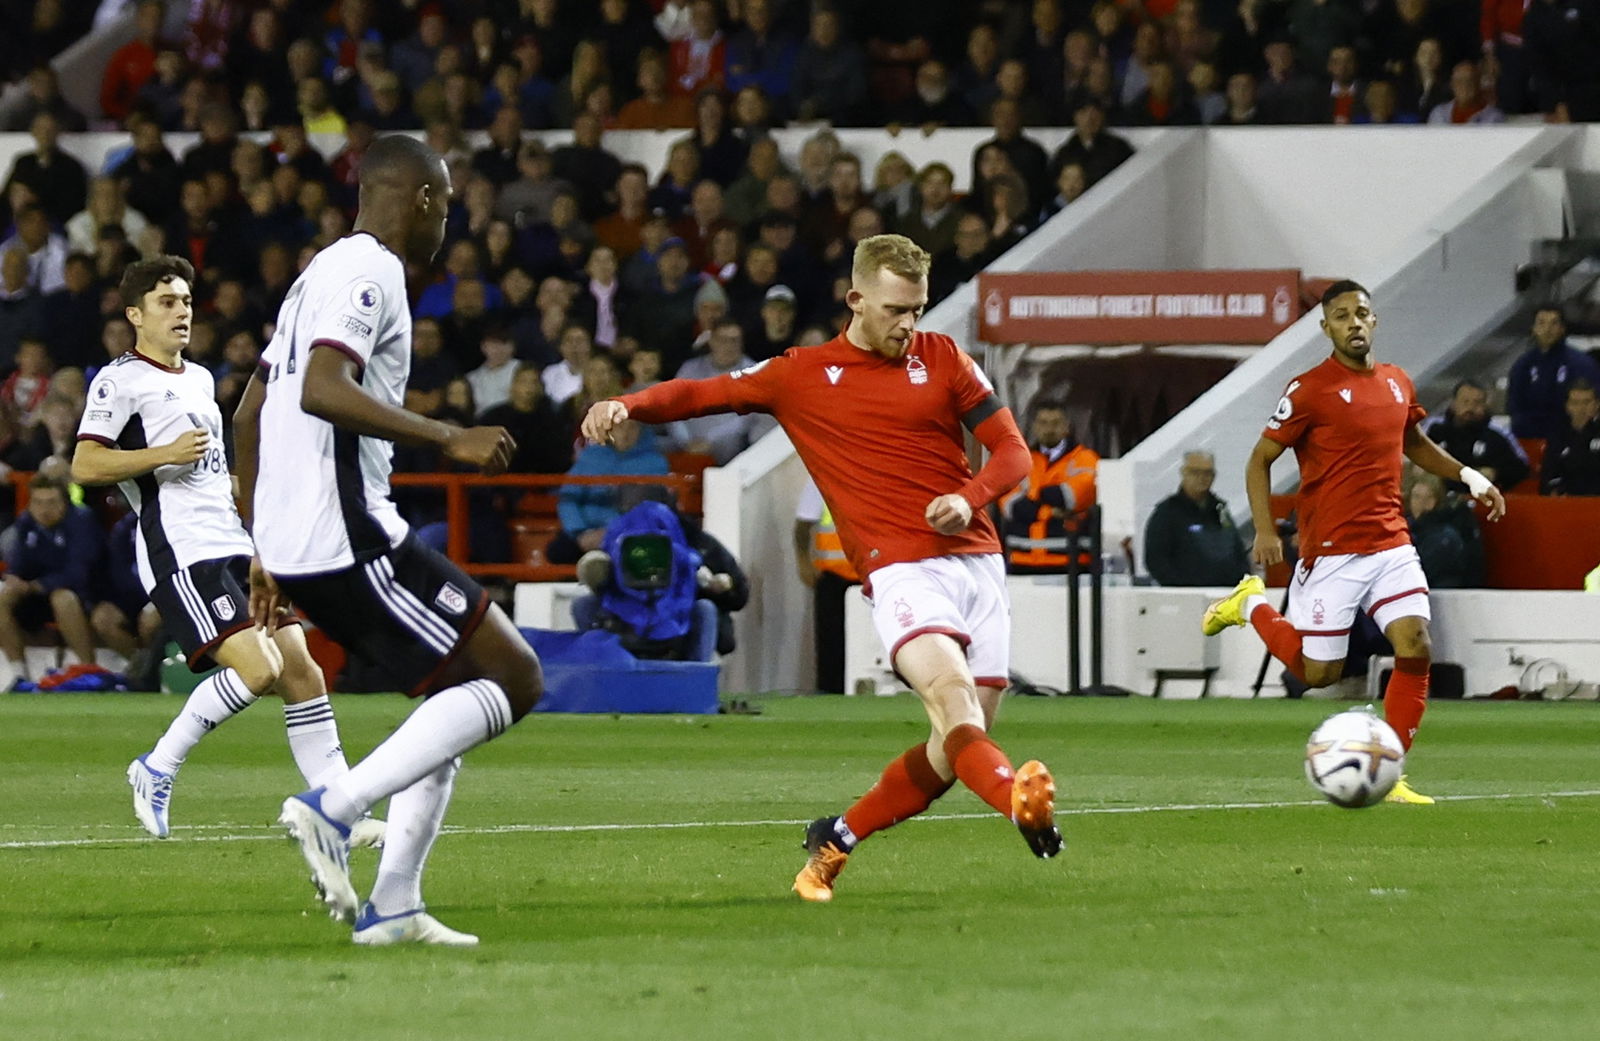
(567, 273)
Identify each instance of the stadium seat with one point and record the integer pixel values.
(530, 535)
(691, 465)
(540, 501)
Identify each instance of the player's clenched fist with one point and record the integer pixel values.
(603, 418)
(189, 447)
(949, 514)
(488, 448)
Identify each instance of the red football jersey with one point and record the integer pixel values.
(1348, 430)
(881, 437)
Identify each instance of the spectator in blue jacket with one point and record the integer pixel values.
(1540, 379)
(586, 509)
(47, 573)
(761, 54)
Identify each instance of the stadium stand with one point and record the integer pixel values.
(230, 133)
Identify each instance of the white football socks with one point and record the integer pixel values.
(216, 700)
(451, 722)
(314, 741)
(415, 816)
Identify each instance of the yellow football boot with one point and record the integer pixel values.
(1403, 792)
(1230, 609)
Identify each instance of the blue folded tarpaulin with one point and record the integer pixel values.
(591, 672)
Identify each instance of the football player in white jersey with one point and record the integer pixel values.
(152, 426)
(315, 435)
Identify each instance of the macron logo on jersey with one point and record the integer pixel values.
(1344, 392)
(834, 372)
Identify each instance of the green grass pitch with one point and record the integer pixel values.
(630, 879)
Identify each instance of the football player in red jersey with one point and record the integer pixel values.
(878, 415)
(1350, 420)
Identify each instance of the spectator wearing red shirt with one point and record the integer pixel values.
(1469, 103)
(698, 58)
(211, 26)
(26, 388)
(701, 220)
(1344, 90)
(1500, 30)
(132, 64)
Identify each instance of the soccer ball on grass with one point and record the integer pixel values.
(1354, 758)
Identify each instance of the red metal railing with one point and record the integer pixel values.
(457, 486)
(457, 510)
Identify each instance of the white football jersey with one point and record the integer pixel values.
(186, 513)
(322, 493)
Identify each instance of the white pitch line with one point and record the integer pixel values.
(271, 833)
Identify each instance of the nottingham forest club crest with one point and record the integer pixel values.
(916, 371)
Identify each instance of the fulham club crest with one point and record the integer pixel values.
(222, 607)
(451, 599)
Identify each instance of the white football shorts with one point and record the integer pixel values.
(962, 596)
(1326, 592)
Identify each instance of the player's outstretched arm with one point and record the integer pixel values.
(1268, 547)
(333, 392)
(755, 389)
(1426, 453)
(95, 463)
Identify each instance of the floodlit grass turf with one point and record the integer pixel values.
(1467, 921)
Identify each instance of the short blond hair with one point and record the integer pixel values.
(895, 252)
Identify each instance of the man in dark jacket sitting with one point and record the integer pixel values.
(1464, 431)
(57, 545)
(1190, 539)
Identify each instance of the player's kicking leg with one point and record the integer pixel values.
(959, 748)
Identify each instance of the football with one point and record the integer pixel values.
(1354, 758)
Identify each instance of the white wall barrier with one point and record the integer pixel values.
(1492, 634)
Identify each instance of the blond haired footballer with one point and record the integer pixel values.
(878, 415)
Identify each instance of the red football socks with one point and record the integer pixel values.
(981, 766)
(908, 786)
(1405, 699)
(1282, 639)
